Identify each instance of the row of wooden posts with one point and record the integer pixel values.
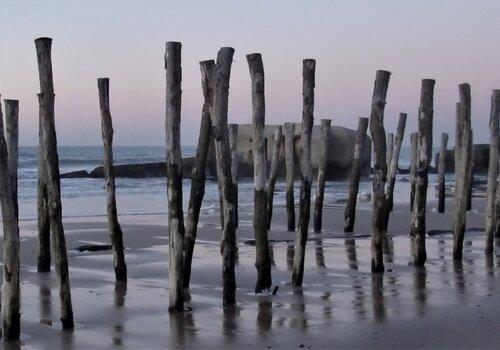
(215, 129)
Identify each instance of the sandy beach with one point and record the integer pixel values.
(341, 304)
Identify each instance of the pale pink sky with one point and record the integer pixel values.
(450, 41)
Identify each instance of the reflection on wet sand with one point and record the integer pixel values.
(119, 302)
(182, 328)
(358, 301)
(420, 288)
(231, 314)
(290, 255)
(350, 249)
(378, 296)
(320, 256)
(388, 248)
(298, 305)
(264, 316)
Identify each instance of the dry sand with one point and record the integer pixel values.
(341, 304)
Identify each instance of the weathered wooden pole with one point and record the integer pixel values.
(233, 145)
(441, 173)
(425, 117)
(114, 229)
(174, 174)
(12, 140)
(357, 163)
(497, 208)
(43, 220)
(289, 132)
(260, 211)
(393, 165)
(377, 132)
(323, 159)
(198, 173)
(413, 166)
(221, 134)
(470, 167)
(458, 144)
(390, 148)
(308, 84)
(462, 177)
(273, 172)
(51, 160)
(10, 288)
(492, 187)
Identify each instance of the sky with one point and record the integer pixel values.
(450, 41)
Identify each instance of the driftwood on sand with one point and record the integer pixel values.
(308, 84)
(114, 228)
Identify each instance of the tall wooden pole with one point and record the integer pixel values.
(462, 177)
(10, 288)
(492, 187)
(260, 214)
(357, 163)
(233, 145)
(220, 132)
(273, 172)
(308, 84)
(174, 174)
(289, 131)
(470, 168)
(393, 165)
(497, 209)
(377, 132)
(413, 166)
(114, 229)
(51, 160)
(43, 220)
(425, 117)
(390, 148)
(323, 159)
(441, 173)
(12, 140)
(198, 173)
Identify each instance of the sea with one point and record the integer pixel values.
(84, 197)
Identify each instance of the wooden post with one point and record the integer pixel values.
(492, 187)
(308, 83)
(323, 159)
(470, 167)
(12, 140)
(174, 174)
(393, 165)
(198, 173)
(289, 131)
(51, 160)
(458, 144)
(43, 220)
(497, 208)
(220, 132)
(390, 148)
(462, 177)
(273, 173)
(8, 200)
(413, 166)
(425, 116)
(357, 163)
(114, 229)
(441, 173)
(377, 132)
(260, 213)
(233, 145)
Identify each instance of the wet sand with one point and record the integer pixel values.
(341, 305)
